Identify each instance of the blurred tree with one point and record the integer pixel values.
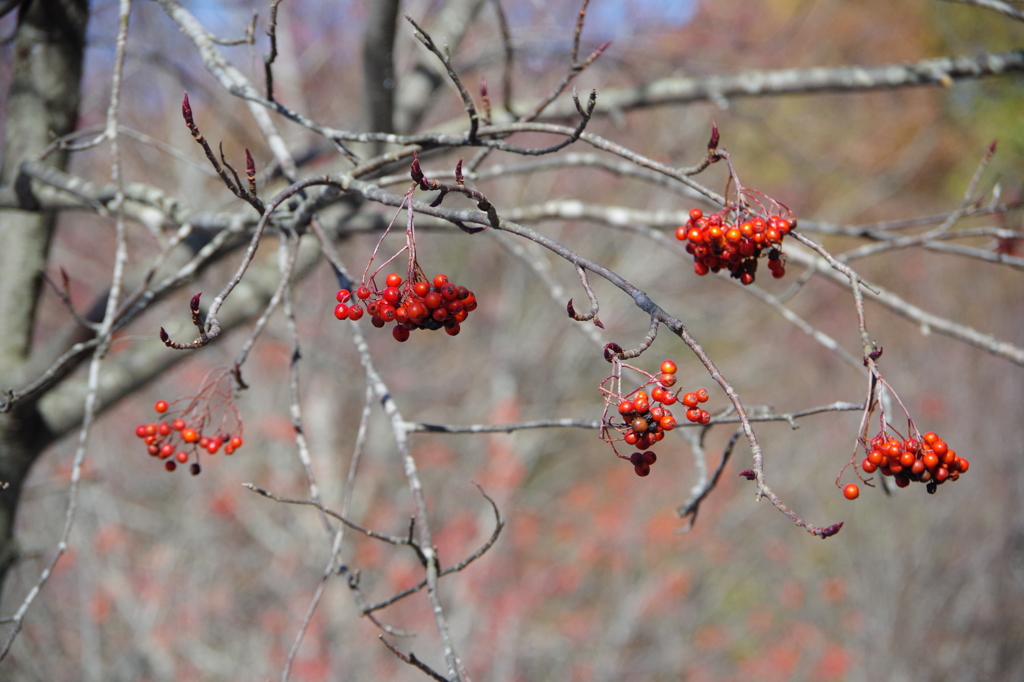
(873, 139)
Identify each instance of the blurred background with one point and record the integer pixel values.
(173, 577)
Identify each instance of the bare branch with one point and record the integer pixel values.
(996, 6)
(943, 71)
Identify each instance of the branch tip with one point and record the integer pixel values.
(186, 111)
(831, 530)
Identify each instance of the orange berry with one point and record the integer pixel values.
(851, 491)
(190, 435)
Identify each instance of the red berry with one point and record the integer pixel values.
(400, 333)
(341, 311)
(153, 450)
(642, 469)
(851, 491)
(150, 429)
(868, 466)
(626, 407)
(650, 458)
(690, 400)
(343, 295)
(160, 406)
(363, 293)
(228, 450)
(448, 291)
(235, 442)
(417, 311)
(696, 214)
(668, 422)
(170, 465)
(930, 437)
(166, 450)
(440, 281)
(355, 312)
(140, 431)
(702, 395)
(641, 405)
(163, 428)
(190, 435)
(693, 414)
(667, 379)
(421, 289)
(181, 457)
(393, 280)
(178, 424)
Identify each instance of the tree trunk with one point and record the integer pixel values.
(43, 103)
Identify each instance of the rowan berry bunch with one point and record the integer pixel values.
(926, 459)
(418, 301)
(734, 239)
(205, 422)
(415, 303)
(645, 413)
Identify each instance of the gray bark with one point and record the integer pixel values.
(43, 103)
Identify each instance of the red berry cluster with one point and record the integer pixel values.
(176, 440)
(715, 243)
(927, 459)
(647, 417)
(413, 304)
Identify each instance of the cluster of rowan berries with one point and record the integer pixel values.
(716, 244)
(928, 460)
(413, 304)
(647, 417)
(178, 440)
